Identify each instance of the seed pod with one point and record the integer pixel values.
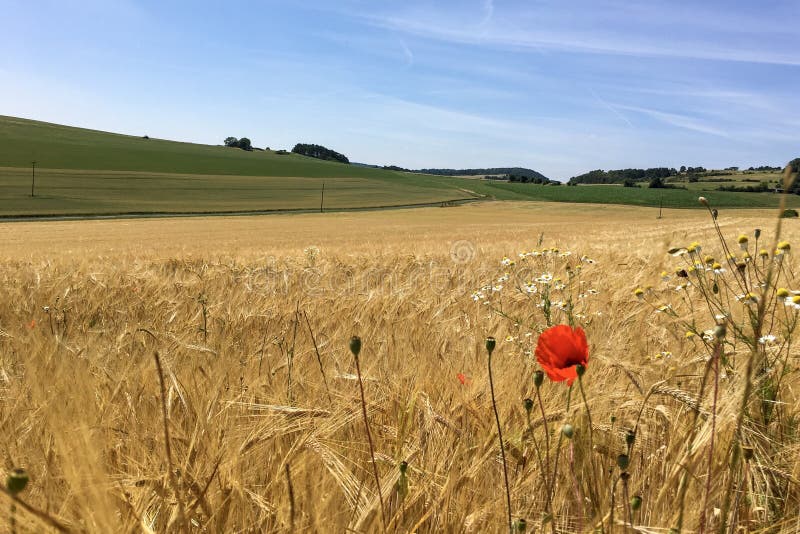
(636, 502)
(490, 344)
(355, 345)
(568, 431)
(747, 452)
(528, 403)
(521, 524)
(538, 379)
(403, 467)
(16, 481)
(580, 369)
(757, 233)
(623, 461)
(630, 437)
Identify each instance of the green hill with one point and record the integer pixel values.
(88, 171)
(81, 171)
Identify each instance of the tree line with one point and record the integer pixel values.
(620, 176)
(319, 152)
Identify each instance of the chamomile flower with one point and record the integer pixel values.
(743, 241)
(768, 339)
(507, 262)
(747, 298)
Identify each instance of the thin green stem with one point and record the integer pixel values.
(502, 447)
(371, 447)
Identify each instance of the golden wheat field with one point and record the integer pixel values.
(249, 419)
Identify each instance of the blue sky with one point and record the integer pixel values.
(561, 87)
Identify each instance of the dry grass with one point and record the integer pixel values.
(81, 404)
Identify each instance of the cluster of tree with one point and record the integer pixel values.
(319, 152)
(620, 176)
(502, 171)
(692, 170)
(765, 168)
(235, 142)
(521, 178)
(243, 143)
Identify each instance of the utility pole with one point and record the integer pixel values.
(33, 176)
(660, 204)
(322, 197)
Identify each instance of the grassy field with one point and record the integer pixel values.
(89, 172)
(86, 171)
(251, 318)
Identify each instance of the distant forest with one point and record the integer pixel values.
(319, 152)
(619, 176)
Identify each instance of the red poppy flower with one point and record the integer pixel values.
(32, 324)
(559, 349)
(464, 379)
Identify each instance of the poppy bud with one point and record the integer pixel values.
(613, 419)
(490, 343)
(521, 524)
(636, 502)
(747, 452)
(568, 431)
(623, 461)
(538, 379)
(630, 437)
(757, 233)
(16, 481)
(403, 467)
(355, 345)
(580, 369)
(528, 403)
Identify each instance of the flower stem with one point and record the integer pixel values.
(369, 439)
(502, 447)
(551, 493)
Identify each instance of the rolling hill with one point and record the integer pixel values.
(89, 172)
(80, 171)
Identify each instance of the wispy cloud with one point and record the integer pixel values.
(611, 108)
(407, 53)
(527, 31)
(675, 119)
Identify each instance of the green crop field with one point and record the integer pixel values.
(81, 171)
(616, 194)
